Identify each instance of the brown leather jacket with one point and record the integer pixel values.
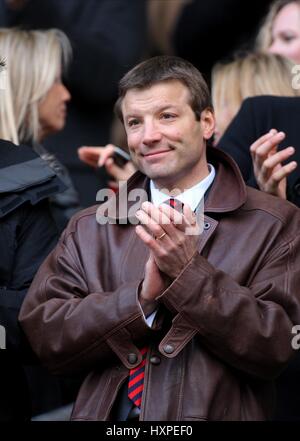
(223, 330)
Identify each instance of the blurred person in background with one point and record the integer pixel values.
(254, 74)
(27, 234)
(34, 103)
(108, 37)
(264, 140)
(97, 156)
(280, 32)
(249, 75)
(263, 136)
(32, 106)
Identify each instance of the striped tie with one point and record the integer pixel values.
(136, 380)
(176, 204)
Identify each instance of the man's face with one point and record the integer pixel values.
(164, 138)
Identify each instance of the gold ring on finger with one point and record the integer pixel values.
(161, 236)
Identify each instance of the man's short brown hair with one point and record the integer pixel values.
(164, 68)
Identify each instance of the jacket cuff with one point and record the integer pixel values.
(177, 338)
(129, 338)
(174, 297)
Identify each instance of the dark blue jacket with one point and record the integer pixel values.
(27, 235)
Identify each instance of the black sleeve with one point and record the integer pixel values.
(237, 139)
(34, 234)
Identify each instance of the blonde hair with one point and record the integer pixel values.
(250, 75)
(264, 36)
(33, 59)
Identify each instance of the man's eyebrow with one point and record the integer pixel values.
(136, 114)
(132, 115)
(166, 107)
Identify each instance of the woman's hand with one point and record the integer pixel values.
(103, 156)
(270, 174)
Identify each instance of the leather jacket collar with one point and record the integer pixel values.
(122, 208)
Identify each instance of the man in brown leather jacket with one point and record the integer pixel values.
(214, 299)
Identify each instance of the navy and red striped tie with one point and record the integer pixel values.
(176, 204)
(136, 380)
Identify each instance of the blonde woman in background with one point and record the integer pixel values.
(280, 32)
(27, 235)
(33, 104)
(249, 75)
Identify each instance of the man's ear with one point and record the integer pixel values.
(208, 122)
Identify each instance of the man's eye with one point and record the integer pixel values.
(167, 116)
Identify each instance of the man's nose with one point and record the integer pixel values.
(151, 134)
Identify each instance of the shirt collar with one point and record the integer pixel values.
(192, 196)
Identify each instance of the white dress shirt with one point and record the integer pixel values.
(191, 197)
